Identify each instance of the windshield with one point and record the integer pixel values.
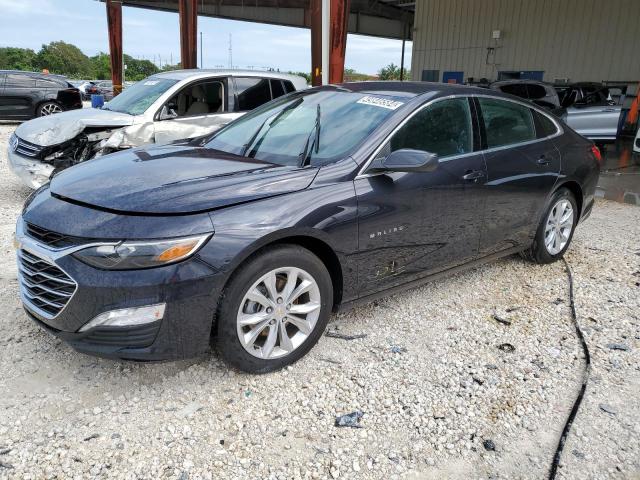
(315, 127)
(135, 99)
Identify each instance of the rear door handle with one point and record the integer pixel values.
(543, 160)
(473, 175)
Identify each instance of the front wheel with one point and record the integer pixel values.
(274, 309)
(556, 228)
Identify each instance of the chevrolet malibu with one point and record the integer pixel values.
(249, 238)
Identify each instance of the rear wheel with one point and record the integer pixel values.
(556, 228)
(48, 108)
(274, 309)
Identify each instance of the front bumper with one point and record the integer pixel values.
(189, 289)
(33, 173)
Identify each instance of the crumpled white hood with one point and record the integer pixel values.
(58, 128)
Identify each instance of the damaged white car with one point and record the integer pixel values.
(165, 107)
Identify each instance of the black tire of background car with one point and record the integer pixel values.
(585, 378)
(538, 252)
(42, 105)
(226, 340)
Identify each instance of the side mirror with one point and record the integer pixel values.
(167, 113)
(408, 160)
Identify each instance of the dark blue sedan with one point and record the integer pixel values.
(325, 197)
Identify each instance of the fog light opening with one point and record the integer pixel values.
(127, 317)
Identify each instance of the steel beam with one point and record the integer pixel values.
(315, 21)
(339, 13)
(114, 24)
(188, 14)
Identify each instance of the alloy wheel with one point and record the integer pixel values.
(558, 226)
(278, 312)
(50, 109)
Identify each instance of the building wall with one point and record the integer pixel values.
(583, 40)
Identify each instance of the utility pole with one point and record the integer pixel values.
(201, 64)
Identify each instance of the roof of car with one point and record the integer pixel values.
(412, 89)
(197, 73)
(40, 74)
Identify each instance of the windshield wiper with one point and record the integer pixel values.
(249, 147)
(314, 144)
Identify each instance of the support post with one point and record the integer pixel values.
(315, 21)
(339, 12)
(114, 24)
(326, 35)
(404, 37)
(188, 14)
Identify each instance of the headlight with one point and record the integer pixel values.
(141, 254)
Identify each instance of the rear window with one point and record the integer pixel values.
(517, 89)
(252, 92)
(544, 126)
(506, 123)
(288, 86)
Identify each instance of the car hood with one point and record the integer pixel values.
(175, 179)
(58, 128)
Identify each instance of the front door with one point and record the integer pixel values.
(198, 109)
(17, 99)
(523, 164)
(413, 224)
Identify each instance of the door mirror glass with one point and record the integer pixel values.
(168, 113)
(409, 160)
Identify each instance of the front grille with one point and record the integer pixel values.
(27, 149)
(51, 238)
(43, 284)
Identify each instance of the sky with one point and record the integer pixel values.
(155, 36)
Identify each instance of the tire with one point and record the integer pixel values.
(542, 251)
(48, 108)
(280, 264)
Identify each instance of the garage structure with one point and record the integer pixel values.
(329, 21)
(554, 41)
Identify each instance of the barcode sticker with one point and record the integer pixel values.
(380, 102)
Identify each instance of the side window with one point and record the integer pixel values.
(544, 126)
(506, 123)
(17, 80)
(444, 128)
(517, 89)
(200, 98)
(252, 92)
(536, 92)
(288, 86)
(277, 90)
(46, 83)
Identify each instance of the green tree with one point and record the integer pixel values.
(65, 59)
(101, 65)
(12, 58)
(138, 69)
(392, 72)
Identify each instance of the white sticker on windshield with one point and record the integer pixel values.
(151, 82)
(380, 102)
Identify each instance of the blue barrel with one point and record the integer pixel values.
(97, 101)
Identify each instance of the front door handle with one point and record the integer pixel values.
(543, 160)
(473, 175)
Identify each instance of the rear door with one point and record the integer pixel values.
(19, 96)
(411, 224)
(523, 165)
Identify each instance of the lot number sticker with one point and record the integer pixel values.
(380, 102)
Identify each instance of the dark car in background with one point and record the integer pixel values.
(25, 95)
(316, 200)
(540, 93)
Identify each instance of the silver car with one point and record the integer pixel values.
(162, 108)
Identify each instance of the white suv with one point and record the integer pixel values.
(162, 108)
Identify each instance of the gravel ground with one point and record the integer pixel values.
(429, 376)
